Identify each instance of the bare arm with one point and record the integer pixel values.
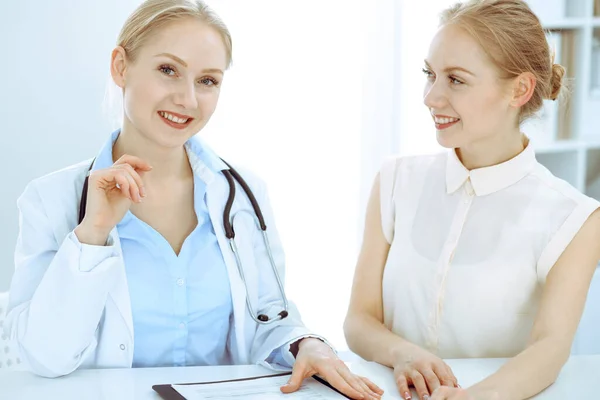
(365, 332)
(563, 299)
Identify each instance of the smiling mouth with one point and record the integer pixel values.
(444, 122)
(175, 120)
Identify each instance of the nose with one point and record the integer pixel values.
(186, 96)
(434, 96)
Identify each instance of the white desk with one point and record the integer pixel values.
(578, 380)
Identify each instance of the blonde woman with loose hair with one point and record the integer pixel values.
(478, 251)
(127, 260)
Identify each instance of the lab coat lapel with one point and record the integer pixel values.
(216, 197)
(120, 292)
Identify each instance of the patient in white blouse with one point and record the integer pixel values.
(478, 251)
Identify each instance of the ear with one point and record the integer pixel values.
(523, 88)
(118, 66)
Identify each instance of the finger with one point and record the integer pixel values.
(337, 381)
(402, 384)
(420, 385)
(444, 374)
(134, 191)
(431, 379)
(134, 161)
(123, 183)
(372, 386)
(357, 383)
(298, 375)
(452, 376)
(135, 176)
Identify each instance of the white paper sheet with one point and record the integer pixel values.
(257, 389)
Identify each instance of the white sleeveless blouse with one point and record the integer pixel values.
(470, 250)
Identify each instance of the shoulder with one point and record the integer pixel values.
(557, 192)
(563, 211)
(411, 163)
(57, 188)
(254, 181)
(407, 171)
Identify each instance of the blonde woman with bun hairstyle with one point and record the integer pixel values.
(126, 260)
(478, 251)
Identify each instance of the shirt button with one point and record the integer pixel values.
(122, 347)
(180, 282)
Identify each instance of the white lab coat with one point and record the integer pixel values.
(68, 310)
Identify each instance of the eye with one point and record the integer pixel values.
(209, 81)
(167, 70)
(427, 73)
(455, 81)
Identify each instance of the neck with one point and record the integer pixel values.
(167, 163)
(493, 150)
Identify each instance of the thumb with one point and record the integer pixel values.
(295, 380)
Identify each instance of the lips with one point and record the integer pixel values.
(444, 121)
(174, 117)
(174, 120)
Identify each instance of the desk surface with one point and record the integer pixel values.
(578, 380)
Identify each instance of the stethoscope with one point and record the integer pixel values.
(231, 175)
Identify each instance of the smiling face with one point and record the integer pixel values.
(468, 100)
(171, 89)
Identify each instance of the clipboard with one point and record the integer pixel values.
(167, 392)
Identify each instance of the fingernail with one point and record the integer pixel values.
(425, 397)
(407, 396)
(142, 192)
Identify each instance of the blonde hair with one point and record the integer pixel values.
(154, 14)
(150, 16)
(513, 38)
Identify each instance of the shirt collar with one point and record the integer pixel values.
(203, 160)
(491, 179)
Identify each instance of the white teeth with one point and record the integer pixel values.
(173, 118)
(444, 120)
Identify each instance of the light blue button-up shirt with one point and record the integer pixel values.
(181, 304)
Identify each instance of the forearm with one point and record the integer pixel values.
(527, 374)
(373, 341)
(56, 323)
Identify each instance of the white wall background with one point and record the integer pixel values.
(55, 58)
(320, 92)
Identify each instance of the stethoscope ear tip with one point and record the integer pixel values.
(263, 318)
(283, 314)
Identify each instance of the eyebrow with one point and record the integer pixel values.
(450, 69)
(180, 61)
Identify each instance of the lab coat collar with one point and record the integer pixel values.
(203, 160)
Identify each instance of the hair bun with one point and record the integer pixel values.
(558, 71)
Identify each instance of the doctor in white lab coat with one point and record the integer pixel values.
(103, 293)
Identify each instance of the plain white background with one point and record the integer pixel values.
(319, 94)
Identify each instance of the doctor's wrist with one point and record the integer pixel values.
(91, 235)
(295, 347)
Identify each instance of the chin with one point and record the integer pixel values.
(447, 141)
